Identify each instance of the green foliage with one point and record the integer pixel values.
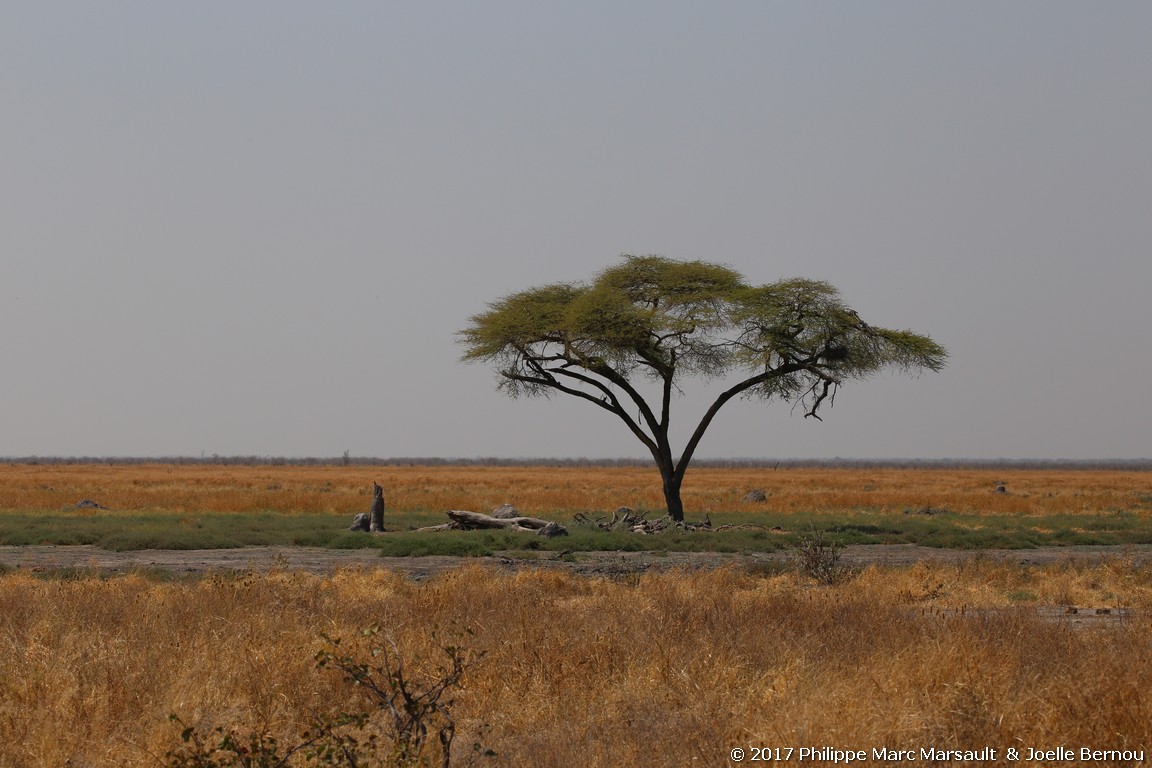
(516, 321)
(402, 712)
(802, 329)
(668, 318)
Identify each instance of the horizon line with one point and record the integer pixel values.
(347, 459)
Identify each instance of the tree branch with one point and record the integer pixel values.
(828, 386)
(609, 402)
(615, 377)
(725, 396)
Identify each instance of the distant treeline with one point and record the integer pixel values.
(1131, 465)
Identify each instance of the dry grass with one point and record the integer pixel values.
(541, 490)
(659, 669)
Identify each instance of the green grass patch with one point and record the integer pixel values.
(159, 530)
(122, 531)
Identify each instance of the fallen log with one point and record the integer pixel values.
(463, 520)
(441, 527)
(472, 520)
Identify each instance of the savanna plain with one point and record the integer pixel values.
(529, 666)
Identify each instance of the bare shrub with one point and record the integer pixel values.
(819, 557)
(393, 731)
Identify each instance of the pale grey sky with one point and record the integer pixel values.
(254, 227)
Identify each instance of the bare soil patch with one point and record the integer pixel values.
(321, 561)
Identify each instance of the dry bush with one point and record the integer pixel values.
(817, 555)
(673, 668)
(389, 716)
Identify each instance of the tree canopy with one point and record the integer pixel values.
(661, 319)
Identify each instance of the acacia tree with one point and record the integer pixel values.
(661, 319)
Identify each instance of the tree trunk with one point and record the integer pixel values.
(376, 523)
(672, 494)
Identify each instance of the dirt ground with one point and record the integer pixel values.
(320, 561)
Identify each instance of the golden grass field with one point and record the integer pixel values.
(638, 669)
(658, 669)
(538, 490)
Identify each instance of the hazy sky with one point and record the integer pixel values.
(254, 227)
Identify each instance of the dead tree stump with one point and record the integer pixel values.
(376, 523)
